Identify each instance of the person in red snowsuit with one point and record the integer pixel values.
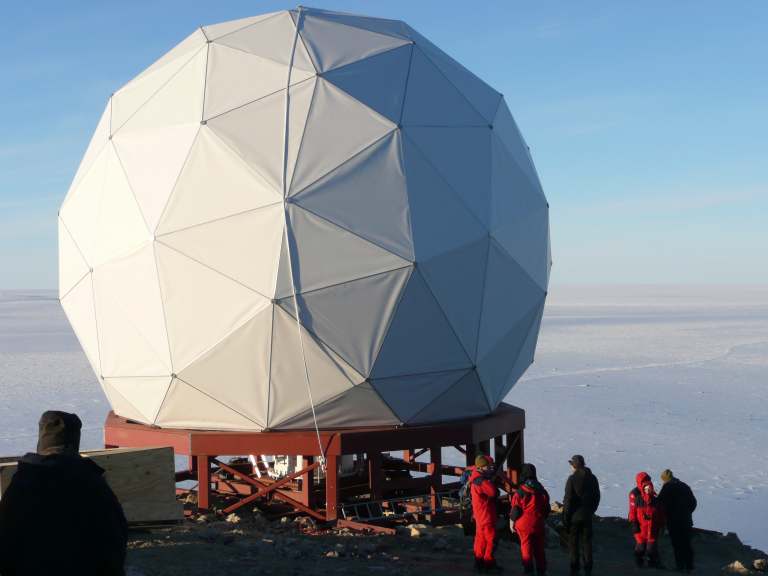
(647, 518)
(484, 496)
(529, 511)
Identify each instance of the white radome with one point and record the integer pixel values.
(353, 162)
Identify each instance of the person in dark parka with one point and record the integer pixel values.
(582, 497)
(679, 503)
(58, 515)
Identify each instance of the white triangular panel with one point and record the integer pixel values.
(178, 55)
(187, 407)
(121, 405)
(329, 375)
(81, 313)
(338, 127)
(271, 38)
(236, 78)
(313, 239)
(214, 183)
(132, 333)
(72, 266)
(146, 394)
(236, 372)
(99, 139)
(216, 31)
(222, 243)
(332, 44)
(256, 131)
(360, 406)
(367, 195)
(178, 101)
(202, 307)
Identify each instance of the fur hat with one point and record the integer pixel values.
(58, 432)
(482, 462)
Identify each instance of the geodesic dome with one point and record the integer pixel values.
(337, 169)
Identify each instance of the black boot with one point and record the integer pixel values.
(493, 568)
(479, 565)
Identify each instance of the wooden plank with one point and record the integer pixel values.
(143, 479)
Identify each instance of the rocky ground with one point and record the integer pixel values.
(254, 545)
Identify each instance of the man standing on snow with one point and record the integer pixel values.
(484, 492)
(582, 497)
(647, 518)
(529, 511)
(58, 515)
(679, 503)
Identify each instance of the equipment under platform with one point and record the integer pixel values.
(362, 481)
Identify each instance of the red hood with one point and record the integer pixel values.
(642, 479)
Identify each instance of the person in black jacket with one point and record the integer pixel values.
(582, 497)
(679, 503)
(58, 515)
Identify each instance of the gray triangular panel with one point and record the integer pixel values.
(510, 295)
(506, 129)
(378, 81)
(351, 318)
(420, 339)
(465, 399)
(440, 221)
(463, 157)
(482, 97)
(434, 101)
(359, 406)
(525, 358)
(394, 28)
(368, 196)
(408, 395)
(520, 215)
(457, 279)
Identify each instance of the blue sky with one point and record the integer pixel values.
(647, 120)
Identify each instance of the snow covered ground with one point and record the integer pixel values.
(634, 378)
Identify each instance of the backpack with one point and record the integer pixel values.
(466, 517)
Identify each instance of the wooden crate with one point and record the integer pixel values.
(143, 479)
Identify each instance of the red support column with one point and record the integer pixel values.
(203, 482)
(308, 483)
(436, 484)
(375, 477)
(332, 488)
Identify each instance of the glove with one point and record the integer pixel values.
(635, 527)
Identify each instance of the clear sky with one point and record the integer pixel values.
(648, 121)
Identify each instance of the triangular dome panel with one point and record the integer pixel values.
(80, 310)
(505, 127)
(465, 399)
(510, 295)
(215, 183)
(266, 118)
(338, 127)
(409, 395)
(99, 139)
(439, 219)
(359, 406)
(132, 333)
(368, 196)
(202, 307)
(419, 339)
(463, 156)
(384, 26)
(378, 81)
(236, 371)
(271, 38)
(351, 318)
(221, 245)
(329, 375)
(217, 31)
(457, 280)
(187, 407)
(323, 254)
(121, 405)
(521, 216)
(72, 266)
(333, 44)
(432, 100)
(236, 78)
(146, 394)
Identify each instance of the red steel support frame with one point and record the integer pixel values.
(504, 427)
